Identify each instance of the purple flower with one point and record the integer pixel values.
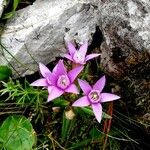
(45, 72)
(79, 56)
(93, 96)
(61, 81)
(58, 81)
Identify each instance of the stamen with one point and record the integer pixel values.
(94, 96)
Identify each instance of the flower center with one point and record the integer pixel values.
(78, 57)
(63, 81)
(94, 96)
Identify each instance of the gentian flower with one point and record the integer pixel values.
(61, 81)
(45, 72)
(79, 56)
(93, 96)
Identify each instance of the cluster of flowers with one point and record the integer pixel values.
(59, 81)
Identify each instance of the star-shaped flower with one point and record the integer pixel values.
(79, 56)
(61, 81)
(93, 96)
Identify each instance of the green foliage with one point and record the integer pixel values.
(60, 102)
(93, 137)
(80, 145)
(67, 126)
(85, 73)
(12, 11)
(88, 111)
(22, 94)
(17, 133)
(25, 95)
(5, 73)
(82, 132)
(94, 133)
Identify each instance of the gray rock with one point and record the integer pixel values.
(37, 33)
(127, 20)
(126, 28)
(126, 49)
(1, 7)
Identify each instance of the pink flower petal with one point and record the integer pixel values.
(71, 48)
(74, 73)
(54, 92)
(97, 109)
(86, 88)
(91, 56)
(60, 69)
(40, 82)
(81, 102)
(83, 49)
(99, 85)
(68, 57)
(52, 79)
(72, 89)
(106, 97)
(44, 70)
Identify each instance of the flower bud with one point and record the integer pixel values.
(56, 109)
(69, 114)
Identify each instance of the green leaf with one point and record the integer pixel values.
(5, 72)
(67, 126)
(60, 102)
(15, 4)
(8, 15)
(89, 111)
(106, 116)
(13, 8)
(17, 133)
